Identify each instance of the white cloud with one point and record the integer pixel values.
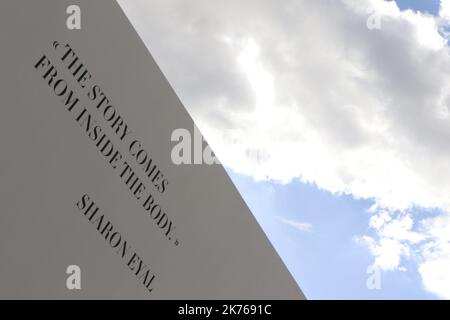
(395, 238)
(387, 252)
(301, 226)
(303, 89)
(444, 9)
(435, 268)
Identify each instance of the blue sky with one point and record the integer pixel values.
(326, 261)
(430, 6)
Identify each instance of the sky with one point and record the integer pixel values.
(332, 119)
